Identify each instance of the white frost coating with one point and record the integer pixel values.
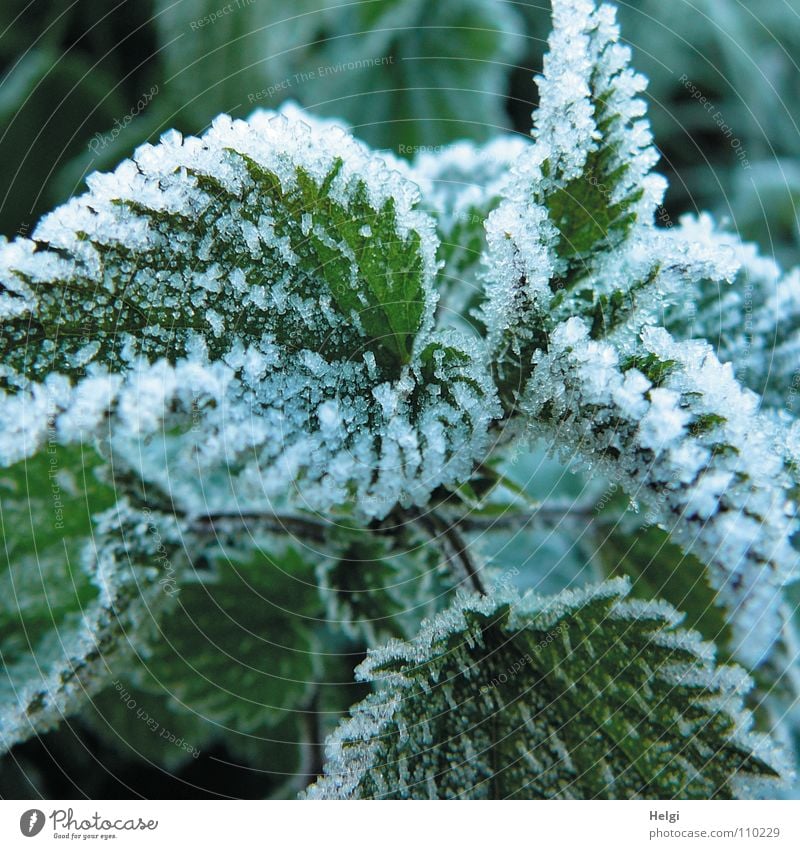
(521, 265)
(465, 179)
(664, 422)
(712, 470)
(423, 734)
(277, 433)
(565, 85)
(209, 237)
(294, 358)
(39, 691)
(537, 238)
(573, 310)
(585, 64)
(461, 184)
(753, 323)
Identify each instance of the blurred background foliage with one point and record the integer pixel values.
(84, 82)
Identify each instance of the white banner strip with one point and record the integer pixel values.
(396, 825)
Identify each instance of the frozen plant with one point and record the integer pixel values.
(262, 390)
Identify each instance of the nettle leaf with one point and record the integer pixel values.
(584, 189)
(280, 259)
(764, 351)
(584, 695)
(104, 607)
(46, 509)
(224, 239)
(594, 151)
(660, 569)
(240, 648)
(675, 429)
(139, 724)
(571, 305)
(461, 184)
(243, 661)
(151, 724)
(576, 234)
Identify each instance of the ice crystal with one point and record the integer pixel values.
(685, 438)
(752, 319)
(461, 184)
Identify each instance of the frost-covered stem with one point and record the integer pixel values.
(547, 512)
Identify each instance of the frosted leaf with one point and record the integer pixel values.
(643, 281)
(281, 262)
(581, 695)
(576, 288)
(58, 654)
(595, 148)
(676, 430)
(461, 184)
(582, 191)
(753, 319)
(210, 238)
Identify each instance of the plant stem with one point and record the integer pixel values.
(438, 529)
(316, 529)
(300, 526)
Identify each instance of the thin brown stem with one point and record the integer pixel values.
(299, 526)
(438, 529)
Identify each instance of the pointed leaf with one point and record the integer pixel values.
(586, 695)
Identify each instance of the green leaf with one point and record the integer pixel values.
(240, 649)
(659, 569)
(574, 198)
(389, 297)
(585, 217)
(596, 183)
(232, 59)
(267, 227)
(584, 695)
(290, 266)
(83, 616)
(144, 725)
(381, 586)
(46, 509)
